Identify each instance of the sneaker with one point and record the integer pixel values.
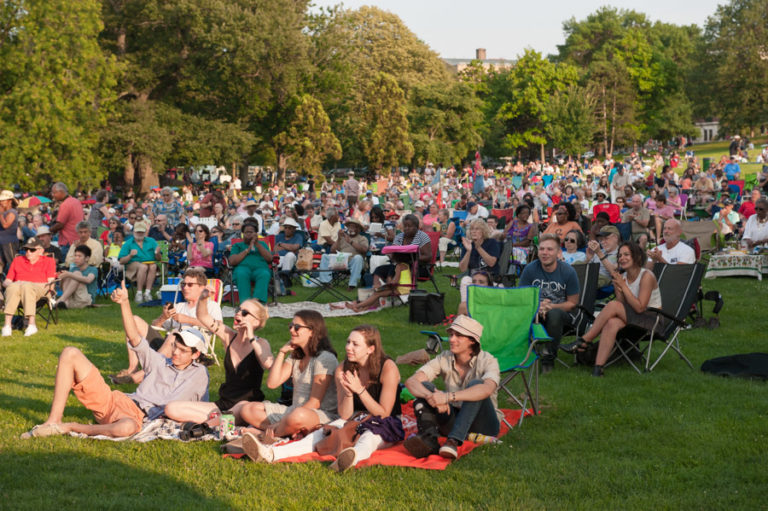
(450, 449)
(31, 330)
(139, 297)
(7, 331)
(255, 450)
(346, 460)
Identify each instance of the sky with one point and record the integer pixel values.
(455, 28)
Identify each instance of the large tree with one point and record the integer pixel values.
(384, 124)
(737, 58)
(308, 141)
(237, 63)
(55, 92)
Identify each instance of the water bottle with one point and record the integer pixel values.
(479, 438)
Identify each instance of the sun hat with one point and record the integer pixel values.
(464, 325)
(290, 222)
(609, 229)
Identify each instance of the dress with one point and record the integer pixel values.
(253, 270)
(516, 234)
(241, 383)
(9, 243)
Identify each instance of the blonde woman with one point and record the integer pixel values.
(481, 252)
(247, 357)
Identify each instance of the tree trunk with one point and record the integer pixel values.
(543, 156)
(129, 172)
(613, 118)
(605, 122)
(148, 178)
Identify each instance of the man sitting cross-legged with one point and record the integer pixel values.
(178, 315)
(181, 377)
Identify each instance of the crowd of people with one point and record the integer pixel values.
(552, 217)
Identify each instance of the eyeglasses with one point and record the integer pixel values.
(189, 284)
(297, 327)
(244, 312)
(570, 240)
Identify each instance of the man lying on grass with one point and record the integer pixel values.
(179, 378)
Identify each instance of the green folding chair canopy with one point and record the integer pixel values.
(507, 316)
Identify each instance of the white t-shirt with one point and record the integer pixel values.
(679, 254)
(184, 308)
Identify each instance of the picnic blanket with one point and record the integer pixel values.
(158, 429)
(398, 456)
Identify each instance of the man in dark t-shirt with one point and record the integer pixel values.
(559, 293)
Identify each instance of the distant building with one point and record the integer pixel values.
(708, 130)
(458, 65)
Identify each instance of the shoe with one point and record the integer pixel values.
(422, 445)
(139, 297)
(31, 330)
(255, 450)
(42, 430)
(597, 371)
(346, 460)
(61, 305)
(450, 449)
(7, 331)
(572, 347)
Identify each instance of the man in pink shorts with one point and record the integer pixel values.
(183, 377)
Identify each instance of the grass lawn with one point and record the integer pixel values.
(715, 150)
(673, 439)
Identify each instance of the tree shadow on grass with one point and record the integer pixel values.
(68, 480)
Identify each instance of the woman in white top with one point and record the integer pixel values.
(636, 290)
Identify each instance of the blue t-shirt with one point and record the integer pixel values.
(93, 287)
(296, 239)
(555, 286)
(732, 170)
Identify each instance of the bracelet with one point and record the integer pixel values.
(601, 258)
(361, 392)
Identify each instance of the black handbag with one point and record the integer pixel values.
(426, 308)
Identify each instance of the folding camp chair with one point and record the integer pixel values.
(218, 294)
(45, 308)
(679, 286)
(510, 334)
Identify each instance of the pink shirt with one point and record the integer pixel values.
(197, 259)
(70, 214)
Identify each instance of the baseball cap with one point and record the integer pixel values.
(290, 222)
(33, 242)
(140, 227)
(192, 338)
(43, 229)
(609, 229)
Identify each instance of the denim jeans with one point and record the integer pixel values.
(554, 323)
(355, 265)
(471, 417)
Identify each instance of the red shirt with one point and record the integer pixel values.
(747, 209)
(70, 213)
(22, 270)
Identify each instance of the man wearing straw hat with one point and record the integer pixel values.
(468, 403)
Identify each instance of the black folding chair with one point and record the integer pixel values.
(679, 286)
(583, 315)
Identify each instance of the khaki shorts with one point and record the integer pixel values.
(108, 406)
(79, 299)
(276, 411)
(133, 269)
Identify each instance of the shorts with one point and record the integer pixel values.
(132, 269)
(108, 406)
(647, 320)
(80, 298)
(276, 411)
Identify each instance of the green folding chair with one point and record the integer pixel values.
(510, 333)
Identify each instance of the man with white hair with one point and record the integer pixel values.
(672, 251)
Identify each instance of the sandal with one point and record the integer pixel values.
(576, 346)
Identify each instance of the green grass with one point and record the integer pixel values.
(672, 439)
(715, 150)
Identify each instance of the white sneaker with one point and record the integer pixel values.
(31, 330)
(7, 331)
(139, 297)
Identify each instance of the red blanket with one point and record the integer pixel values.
(398, 456)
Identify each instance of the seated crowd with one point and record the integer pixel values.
(548, 223)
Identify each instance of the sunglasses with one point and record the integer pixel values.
(244, 312)
(188, 284)
(297, 327)
(570, 240)
(33, 249)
